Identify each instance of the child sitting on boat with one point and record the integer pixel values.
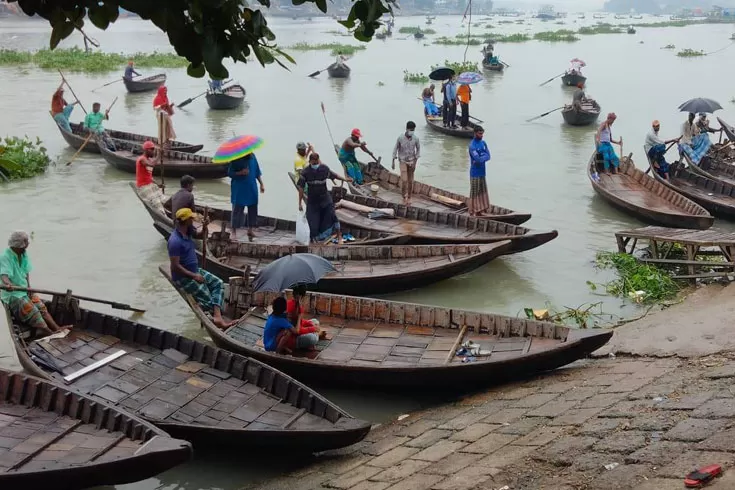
(282, 336)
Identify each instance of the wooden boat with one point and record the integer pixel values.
(633, 192)
(715, 197)
(425, 226)
(631, 30)
(492, 66)
(436, 124)
(418, 35)
(729, 130)
(381, 35)
(147, 84)
(76, 139)
(175, 163)
(586, 116)
(425, 196)
(713, 168)
(387, 344)
(191, 390)
(573, 79)
(230, 98)
(338, 70)
(54, 437)
(361, 269)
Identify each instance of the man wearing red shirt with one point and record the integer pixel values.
(148, 190)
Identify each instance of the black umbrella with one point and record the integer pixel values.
(291, 270)
(441, 74)
(700, 104)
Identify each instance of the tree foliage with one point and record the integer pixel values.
(205, 32)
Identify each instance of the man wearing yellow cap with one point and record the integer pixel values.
(205, 288)
(655, 148)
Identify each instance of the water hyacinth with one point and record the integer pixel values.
(335, 48)
(76, 59)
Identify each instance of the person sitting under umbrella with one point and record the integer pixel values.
(205, 288)
(694, 143)
(703, 125)
(320, 212)
(655, 148)
(281, 336)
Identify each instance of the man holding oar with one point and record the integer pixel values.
(61, 109)
(655, 148)
(604, 141)
(130, 71)
(347, 156)
(15, 269)
(148, 190)
(93, 123)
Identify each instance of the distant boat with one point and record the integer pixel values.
(546, 13)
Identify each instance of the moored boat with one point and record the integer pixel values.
(231, 97)
(633, 192)
(147, 84)
(585, 116)
(573, 79)
(387, 344)
(175, 163)
(436, 124)
(191, 390)
(55, 437)
(418, 35)
(713, 168)
(729, 130)
(78, 136)
(338, 70)
(425, 196)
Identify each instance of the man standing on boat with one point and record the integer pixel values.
(148, 190)
(93, 123)
(579, 97)
(319, 205)
(130, 71)
(205, 288)
(449, 110)
(464, 95)
(604, 141)
(15, 269)
(479, 201)
(61, 109)
(408, 151)
(347, 157)
(655, 148)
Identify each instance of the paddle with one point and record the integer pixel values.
(506, 64)
(545, 114)
(205, 235)
(665, 151)
(479, 121)
(108, 84)
(161, 122)
(316, 73)
(552, 79)
(324, 112)
(192, 99)
(72, 92)
(88, 137)
(114, 304)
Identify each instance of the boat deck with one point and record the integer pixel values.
(630, 189)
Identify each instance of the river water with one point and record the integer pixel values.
(91, 234)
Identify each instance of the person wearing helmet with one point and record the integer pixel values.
(347, 156)
(149, 191)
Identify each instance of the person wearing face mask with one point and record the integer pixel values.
(319, 206)
(655, 148)
(347, 156)
(407, 150)
(479, 201)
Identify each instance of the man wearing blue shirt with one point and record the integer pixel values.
(130, 71)
(479, 155)
(450, 103)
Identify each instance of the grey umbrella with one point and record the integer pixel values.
(700, 104)
(291, 270)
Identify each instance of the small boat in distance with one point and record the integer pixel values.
(231, 97)
(338, 70)
(144, 84)
(571, 79)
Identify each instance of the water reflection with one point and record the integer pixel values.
(338, 86)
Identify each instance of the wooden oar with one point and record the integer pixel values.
(114, 81)
(665, 151)
(312, 75)
(324, 112)
(72, 92)
(205, 236)
(80, 149)
(161, 119)
(192, 99)
(552, 79)
(545, 114)
(114, 304)
(506, 64)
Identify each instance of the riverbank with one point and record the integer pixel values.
(650, 419)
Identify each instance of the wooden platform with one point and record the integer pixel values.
(701, 246)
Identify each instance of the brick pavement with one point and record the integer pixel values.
(657, 418)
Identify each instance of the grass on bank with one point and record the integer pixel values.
(409, 77)
(512, 38)
(75, 59)
(414, 30)
(600, 29)
(22, 158)
(458, 42)
(690, 53)
(636, 281)
(562, 35)
(335, 48)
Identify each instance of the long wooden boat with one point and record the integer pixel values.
(338, 70)
(633, 192)
(78, 136)
(54, 437)
(436, 124)
(191, 390)
(584, 117)
(713, 168)
(493, 66)
(274, 232)
(426, 226)
(175, 163)
(573, 79)
(715, 197)
(425, 196)
(230, 98)
(361, 270)
(147, 84)
(387, 344)
(729, 130)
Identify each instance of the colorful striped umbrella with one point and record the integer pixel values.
(237, 147)
(468, 78)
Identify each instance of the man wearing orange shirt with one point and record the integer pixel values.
(464, 95)
(148, 190)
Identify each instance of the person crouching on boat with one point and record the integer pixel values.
(148, 190)
(15, 269)
(94, 123)
(604, 141)
(164, 109)
(347, 156)
(320, 212)
(693, 142)
(656, 150)
(281, 336)
(430, 107)
(61, 109)
(294, 312)
(407, 151)
(703, 125)
(479, 155)
(579, 97)
(215, 86)
(205, 288)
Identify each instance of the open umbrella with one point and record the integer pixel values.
(469, 77)
(441, 74)
(581, 63)
(700, 104)
(291, 270)
(237, 147)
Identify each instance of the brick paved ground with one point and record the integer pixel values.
(656, 418)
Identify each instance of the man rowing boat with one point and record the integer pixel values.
(579, 97)
(347, 156)
(655, 148)
(94, 123)
(130, 71)
(61, 109)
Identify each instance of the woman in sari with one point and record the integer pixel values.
(164, 110)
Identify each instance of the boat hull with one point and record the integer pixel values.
(148, 84)
(76, 139)
(438, 126)
(580, 117)
(572, 79)
(176, 164)
(231, 98)
(338, 71)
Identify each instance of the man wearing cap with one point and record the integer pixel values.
(604, 141)
(148, 190)
(301, 161)
(347, 156)
(407, 151)
(61, 109)
(205, 288)
(655, 148)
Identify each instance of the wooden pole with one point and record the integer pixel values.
(114, 304)
(161, 123)
(72, 92)
(205, 236)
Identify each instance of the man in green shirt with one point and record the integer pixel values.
(15, 268)
(94, 124)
